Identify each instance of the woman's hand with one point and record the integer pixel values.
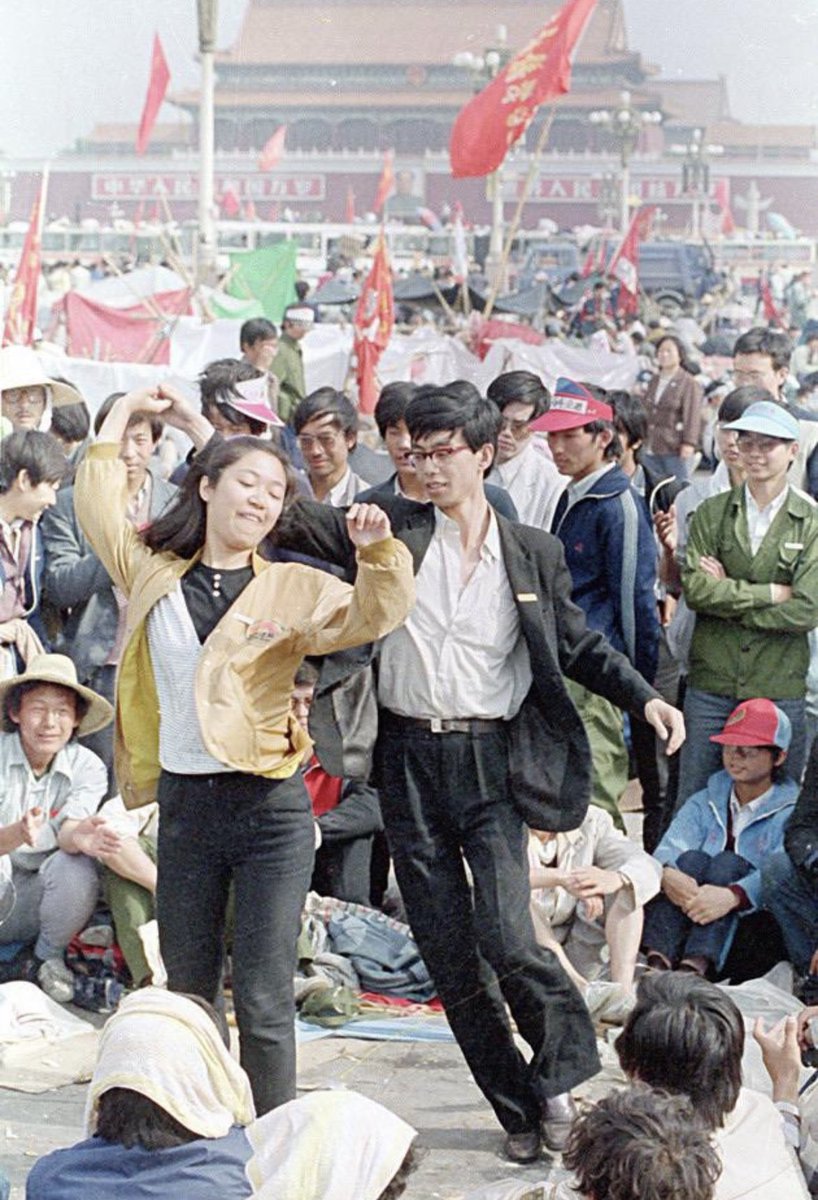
(710, 903)
(181, 414)
(146, 400)
(367, 524)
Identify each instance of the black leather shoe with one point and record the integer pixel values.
(523, 1147)
(558, 1115)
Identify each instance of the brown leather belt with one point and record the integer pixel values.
(440, 725)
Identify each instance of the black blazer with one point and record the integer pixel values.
(549, 755)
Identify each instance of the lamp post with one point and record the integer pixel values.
(206, 249)
(696, 175)
(626, 124)
(483, 68)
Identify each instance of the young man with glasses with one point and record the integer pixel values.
(477, 737)
(525, 470)
(751, 578)
(326, 427)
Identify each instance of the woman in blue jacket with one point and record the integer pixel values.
(714, 849)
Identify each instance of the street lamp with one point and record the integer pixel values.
(626, 124)
(206, 256)
(483, 68)
(696, 174)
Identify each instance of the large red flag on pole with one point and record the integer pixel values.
(273, 149)
(498, 116)
(157, 86)
(374, 322)
(625, 263)
(386, 182)
(21, 314)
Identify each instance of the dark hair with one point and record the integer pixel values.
(630, 418)
(14, 698)
(772, 343)
(257, 329)
(642, 1144)
(523, 386)
(684, 353)
(397, 1185)
(217, 385)
(740, 399)
(137, 418)
(39, 454)
(685, 1035)
(181, 528)
(327, 402)
(71, 422)
(454, 406)
(302, 289)
(392, 404)
(306, 675)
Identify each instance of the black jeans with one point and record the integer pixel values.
(258, 834)
(445, 796)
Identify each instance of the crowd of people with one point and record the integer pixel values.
(419, 675)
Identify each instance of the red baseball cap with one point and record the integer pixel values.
(756, 723)
(572, 407)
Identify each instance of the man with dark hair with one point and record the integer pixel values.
(75, 581)
(70, 425)
(610, 552)
(288, 364)
(326, 427)
(761, 358)
(686, 1036)
(523, 469)
(258, 341)
(223, 404)
(477, 737)
(50, 789)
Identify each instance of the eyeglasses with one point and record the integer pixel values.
(440, 456)
(18, 397)
(327, 440)
(761, 445)
(517, 429)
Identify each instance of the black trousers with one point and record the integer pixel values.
(258, 834)
(445, 797)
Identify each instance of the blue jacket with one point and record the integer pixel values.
(701, 824)
(611, 555)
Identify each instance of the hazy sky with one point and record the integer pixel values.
(66, 65)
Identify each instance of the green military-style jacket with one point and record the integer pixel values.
(288, 367)
(745, 645)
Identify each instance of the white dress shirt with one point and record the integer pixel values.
(534, 484)
(759, 520)
(460, 653)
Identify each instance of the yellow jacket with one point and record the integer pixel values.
(245, 676)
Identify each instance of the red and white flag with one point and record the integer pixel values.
(157, 86)
(273, 150)
(21, 314)
(497, 117)
(374, 322)
(386, 183)
(625, 263)
(721, 194)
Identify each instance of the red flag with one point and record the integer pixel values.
(387, 181)
(625, 263)
(229, 201)
(349, 208)
(273, 149)
(772, 314)
(21, 315)
(374, 322)
(498, 116)
(157, 86)
(721, 194)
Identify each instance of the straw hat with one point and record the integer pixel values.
(59, 669)
(20, 367)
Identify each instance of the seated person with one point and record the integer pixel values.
(790, 883)
(50, 835)
(347, 815)
(634, 1143)
(588, 888)
(686, 1036)
(185, 1123)
(129, 880)
(31, 469)
(716, 845)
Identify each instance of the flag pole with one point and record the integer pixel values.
(518, 212)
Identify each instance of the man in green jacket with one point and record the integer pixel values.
(751, 577)
(288, 364)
